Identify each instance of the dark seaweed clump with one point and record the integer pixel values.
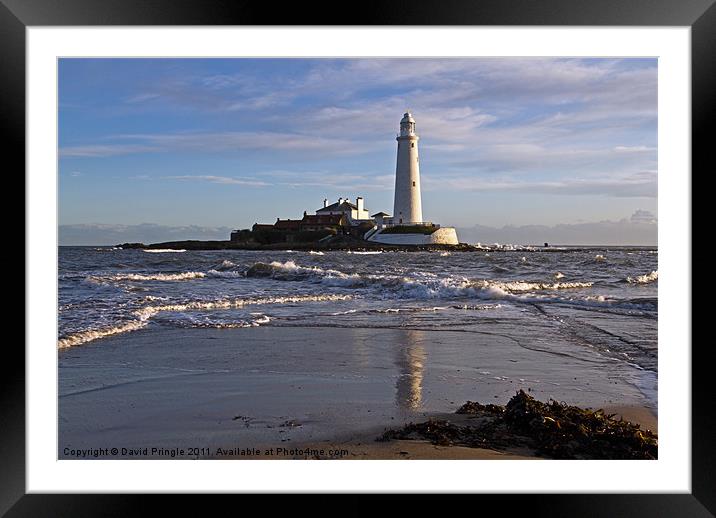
(471, 407)
(554, 430)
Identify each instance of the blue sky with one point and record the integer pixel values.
(228, 142)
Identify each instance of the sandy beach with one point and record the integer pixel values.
(223, 393)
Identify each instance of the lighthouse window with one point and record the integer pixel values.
(413, 184)
(412, 144)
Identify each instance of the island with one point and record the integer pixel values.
(334, 242)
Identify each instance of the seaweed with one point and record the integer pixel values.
(553, 430)
(472, 407)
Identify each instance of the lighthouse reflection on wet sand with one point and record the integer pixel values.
(407, 207)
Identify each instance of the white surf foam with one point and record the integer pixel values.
(224, 274)
(289, 270)
(240, 303)
(226, 264)
(147, 277)
(87, 336)
(478, 307)
(521, 286)
(644, 279)
(229, 325)
(349, 312)
(421, 285)
(412, 310)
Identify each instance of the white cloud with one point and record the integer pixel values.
(103, 150)
(331, 180)
(214, 142)
(633, 149)
(225, 180)
(139, 98)
(640, 184)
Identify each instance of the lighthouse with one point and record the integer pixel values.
(406, 225)
(407, 207)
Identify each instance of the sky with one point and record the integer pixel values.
(202, 145)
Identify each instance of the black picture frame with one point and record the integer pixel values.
(700, 15)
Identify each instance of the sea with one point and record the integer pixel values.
(597, 299)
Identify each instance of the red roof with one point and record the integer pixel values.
(287, 224)
(262, 226)
(322, 219)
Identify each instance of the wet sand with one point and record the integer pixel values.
(211, 393)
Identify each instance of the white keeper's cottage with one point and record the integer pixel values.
(354, 213)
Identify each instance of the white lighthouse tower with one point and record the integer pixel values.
(407, 207)
(406, 226)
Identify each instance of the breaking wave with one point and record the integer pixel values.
(644, 279)
(433, 287)
(143, 315)
(93, 334)
(148, 277)
(232, 325)
(291, 271)
(224, 273)
(520, 286)
(425, 286)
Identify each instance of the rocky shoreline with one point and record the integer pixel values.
(348, 243)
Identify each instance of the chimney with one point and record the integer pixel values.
(340, 200)
(304, 213)
(325, 202)
(359, 203)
